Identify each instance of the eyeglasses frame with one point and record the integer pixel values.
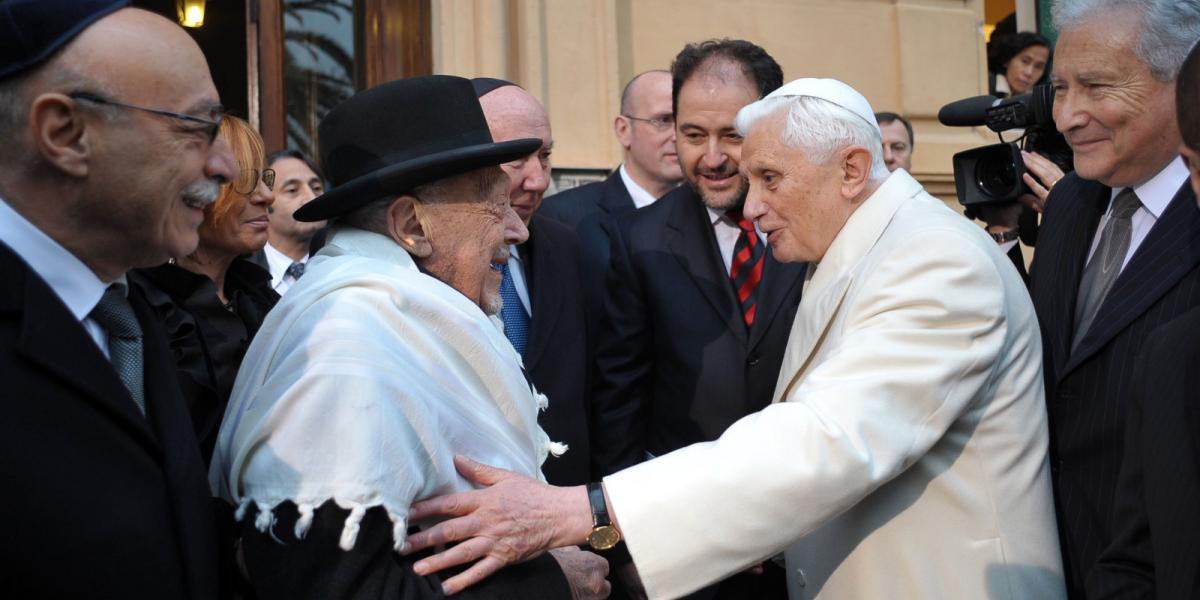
(655, 122)
(267, 176)
(212, 126)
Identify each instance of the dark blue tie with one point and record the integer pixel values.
(295, 270)
(516, 320)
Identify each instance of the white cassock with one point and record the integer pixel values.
(905, 453)
(361, 386)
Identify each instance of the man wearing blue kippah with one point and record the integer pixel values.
(108, 118)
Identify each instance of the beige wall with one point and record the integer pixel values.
(907, 56)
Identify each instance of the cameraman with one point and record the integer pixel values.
(1119, 249)
(1010, 223)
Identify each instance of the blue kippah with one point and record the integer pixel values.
(485, 85)
(32, 30)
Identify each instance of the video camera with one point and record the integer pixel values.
(993, 174)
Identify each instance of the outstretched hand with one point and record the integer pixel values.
(512, 519)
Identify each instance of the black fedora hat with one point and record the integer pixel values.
(396, 136)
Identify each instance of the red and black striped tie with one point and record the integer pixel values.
(747, 265)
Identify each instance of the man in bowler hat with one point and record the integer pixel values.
(388, 358)
(108, 116)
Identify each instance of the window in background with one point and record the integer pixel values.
(319, 66)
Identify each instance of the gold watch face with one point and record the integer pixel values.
(603, 537)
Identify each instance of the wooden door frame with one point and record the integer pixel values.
(394, 42)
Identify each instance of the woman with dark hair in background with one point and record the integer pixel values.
(1016, 63)
(213, 301)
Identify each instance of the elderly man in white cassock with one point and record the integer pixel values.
(905, 453)
(387, 358)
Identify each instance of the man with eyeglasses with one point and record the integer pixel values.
(107, 116)
(646, 130)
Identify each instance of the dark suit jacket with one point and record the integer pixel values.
(589, 210)
(675, 362)
(557, 355)
(1087, 393)
(1156, 548)
(100, 501)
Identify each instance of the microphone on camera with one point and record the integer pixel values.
(968, 112)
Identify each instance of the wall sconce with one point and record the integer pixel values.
(191, 12)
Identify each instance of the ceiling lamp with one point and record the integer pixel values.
(191, 12)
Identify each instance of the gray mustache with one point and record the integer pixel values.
(205, 191)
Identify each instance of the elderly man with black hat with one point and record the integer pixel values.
(108, 116)
(388, 358)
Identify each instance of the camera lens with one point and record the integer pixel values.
(996, 175)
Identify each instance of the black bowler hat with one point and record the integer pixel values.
(391, 138)
(32, 30)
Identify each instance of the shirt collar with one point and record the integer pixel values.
(277, 262)
(1158, 191)
(75, 284)
(641, 198)
(1002, 85)
(716, 216)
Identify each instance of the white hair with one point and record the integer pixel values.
(1167, 31)
(818, 127)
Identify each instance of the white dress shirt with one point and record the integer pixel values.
(74, 282)
(278, 263)
(727, 233)
(1155, 195)
(516, 270)
(641, 198)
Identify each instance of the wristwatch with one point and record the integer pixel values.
(1003, 236)
(603, 536)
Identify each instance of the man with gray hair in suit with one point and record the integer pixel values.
(1118, 251)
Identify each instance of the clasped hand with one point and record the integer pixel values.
(512, 519)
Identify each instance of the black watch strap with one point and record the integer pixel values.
(599, 507)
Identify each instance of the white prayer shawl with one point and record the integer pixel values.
(362, 385)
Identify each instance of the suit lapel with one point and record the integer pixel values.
(817, 308)
(52, 340)
(542, 292)
(1079, 228)
(1170, 251)
(779, 281)
(692, 242)
(616, 198)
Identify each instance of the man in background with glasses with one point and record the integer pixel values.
(107, 116)
(646, 130)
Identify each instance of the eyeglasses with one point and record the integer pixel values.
(661, 123)
(210, 126)
(246, 185)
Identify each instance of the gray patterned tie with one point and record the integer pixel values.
(115, 315)
(1105, 266)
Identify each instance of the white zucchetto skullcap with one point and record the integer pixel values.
(830, 90)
